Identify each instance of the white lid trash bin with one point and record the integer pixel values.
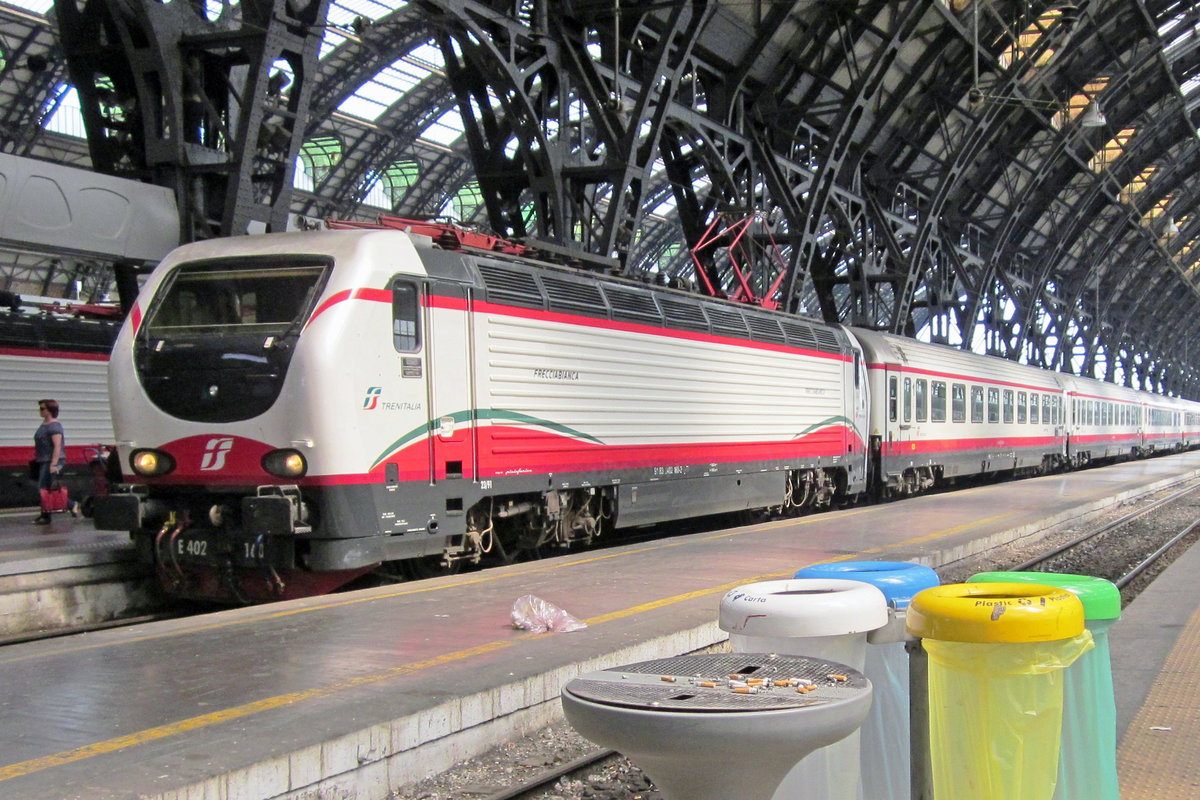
(820, 618)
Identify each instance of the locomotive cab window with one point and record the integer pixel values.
(236, 297)
(406, 329)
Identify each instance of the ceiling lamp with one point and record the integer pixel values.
(1092, 116)
(1169, 227)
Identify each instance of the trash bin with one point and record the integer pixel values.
(823, 618)
(884, 746)
(1087, 767)
(719, 726)
(997, 653)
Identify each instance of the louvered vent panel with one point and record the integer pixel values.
(799, 334)
(828, 340)
(727, 322)
(631, 305)
(574, 297)
(510, 286)
(764, 329)
(686, 316)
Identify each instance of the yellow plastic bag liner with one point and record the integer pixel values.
(997, 655)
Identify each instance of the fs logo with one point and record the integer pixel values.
(372, 398)
(214, 454)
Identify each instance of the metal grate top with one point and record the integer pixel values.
(645, 685)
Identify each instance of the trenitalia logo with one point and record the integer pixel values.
(372, 398)
(214, 454)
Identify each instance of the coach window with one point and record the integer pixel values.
(922, 399)
(993, 405)
(1047, 404)
(1034, 401)
(938, 397)
(892, 399)
(976, 404)
(1008, 406)
(1021, 400)
(405, 321)
(958, 402)
(908, 399)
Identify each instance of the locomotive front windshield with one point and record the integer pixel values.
(219, 336)
(260, 300)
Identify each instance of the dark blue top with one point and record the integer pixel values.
(43, 444)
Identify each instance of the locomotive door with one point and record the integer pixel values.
(450, 385)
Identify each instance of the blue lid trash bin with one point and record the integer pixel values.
(884, 746)
(1087, 768)
(822, 618)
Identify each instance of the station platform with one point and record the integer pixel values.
(360, 694)
(1155, 652)
(66, 574)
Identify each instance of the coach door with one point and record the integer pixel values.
(900, 412)
(450, 386)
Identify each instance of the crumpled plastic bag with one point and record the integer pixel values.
(530, 613)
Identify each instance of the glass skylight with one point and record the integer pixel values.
(67, 119)
(35, 6)
(390, 84)
(446, 130)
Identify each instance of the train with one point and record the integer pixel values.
(58, 349)
(295, 410)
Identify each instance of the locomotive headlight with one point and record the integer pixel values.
(285, 463)
(150, 463)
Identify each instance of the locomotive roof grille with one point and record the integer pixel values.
(577, 297)
(828, 340)
(511, 287)
(727, 322)
(631, 306)
(687, 316)
(799, 334)
(765, 329)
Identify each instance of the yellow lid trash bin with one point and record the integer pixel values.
(997, 652)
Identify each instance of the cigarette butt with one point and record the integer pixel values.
(837, 676)
(707, 684)
(745, 690)
(668, 678)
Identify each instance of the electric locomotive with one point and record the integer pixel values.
(293, 410)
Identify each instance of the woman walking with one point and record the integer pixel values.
(50, 453)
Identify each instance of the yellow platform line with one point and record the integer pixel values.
(1159, 758)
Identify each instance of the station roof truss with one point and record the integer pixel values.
(1008, 177)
